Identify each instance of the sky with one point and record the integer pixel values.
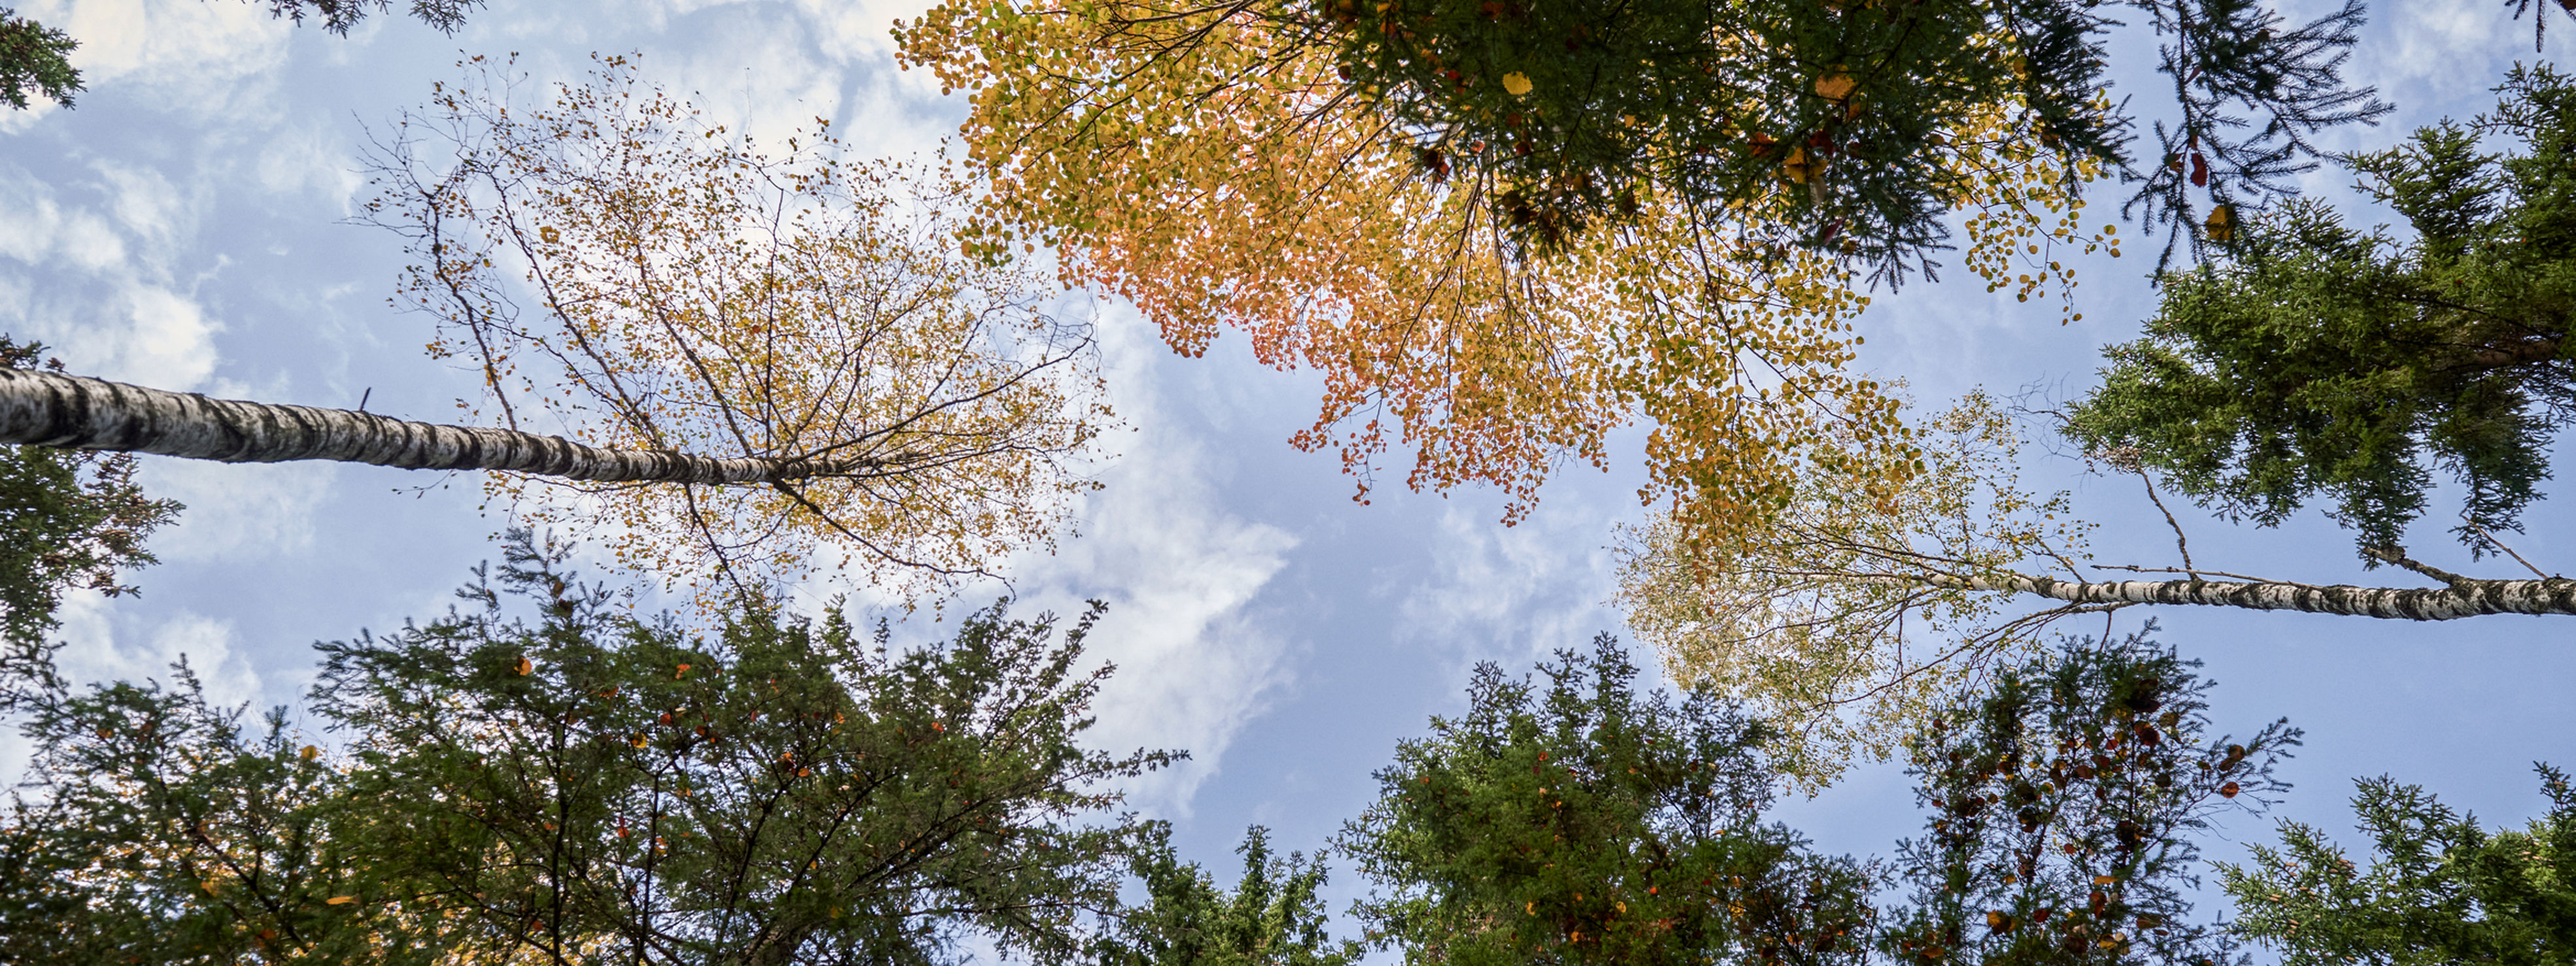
(186, 227)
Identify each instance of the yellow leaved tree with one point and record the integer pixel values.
(623, 272)
(1215, 166)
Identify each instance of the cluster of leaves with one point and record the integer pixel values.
(2064, 800)
(586, 788)
(1213, 166)
(692, 293)
(2318, 359)
(69, 520)
(38, 57)
(2438, 889)
(1578, 821)
(1851, 619)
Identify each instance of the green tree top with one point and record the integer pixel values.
(2438, 889)
(1573, 820)
(2315, 359)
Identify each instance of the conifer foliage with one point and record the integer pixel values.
(1572, 820)
(586, 787)
(2064, 801)
(2315, 360)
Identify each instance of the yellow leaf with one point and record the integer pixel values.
(310, 752)
(1516, 83)
(340, 900)
(2221, 223)
(1835, 87)
(525, 665)
(2105, 879)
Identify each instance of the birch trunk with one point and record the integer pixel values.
(76, 412)
(2466, 597)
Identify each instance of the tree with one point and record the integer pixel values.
(616, 268)
(2315, 360)
(68, 521)
(737, 369)
(1271, 918)
(2438, 889)
(589, 787)
(1846, 621)
(2063, 800)
(1213, 166)
(1577, 821)
(34, 56)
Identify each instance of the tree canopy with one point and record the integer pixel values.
(581, 785)
(2313, 361)
(620, 271)
(1215, 166)
(1572, 819)
(2438, 888)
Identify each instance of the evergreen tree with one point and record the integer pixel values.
(586, 787)
(2063, 803)
(68, 521)
(1271, 918)
(1574, 820)
(2315, 360)
(2438, 890)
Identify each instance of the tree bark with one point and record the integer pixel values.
(76, 412)
(2466, 597)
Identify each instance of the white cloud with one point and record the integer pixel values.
(1516, 593)
(190, 56)
(238, 512)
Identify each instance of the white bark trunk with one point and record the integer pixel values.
(2464, 598)
(75, 412)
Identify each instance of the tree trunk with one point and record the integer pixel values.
(2466, 597)
(75, 412)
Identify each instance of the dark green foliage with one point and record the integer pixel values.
(2439, 889)
(69, 520)
(2063, 801)
(34, 57)
(591, 788)
(32, 54)
(160, 833)
(1850, 99)
(1576, 822)
(2317, 359)
(1272, 918)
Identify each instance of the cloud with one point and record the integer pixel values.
(100, 284)
(1516, 593)
(186, 56)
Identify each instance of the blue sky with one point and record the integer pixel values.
(184, 228)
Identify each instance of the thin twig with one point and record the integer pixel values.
(2180, 543)
(2517, 558)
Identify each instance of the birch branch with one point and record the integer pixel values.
(77, 412)
(2466, 597)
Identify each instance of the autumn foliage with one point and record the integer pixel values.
(621, 271)
(1213, 166)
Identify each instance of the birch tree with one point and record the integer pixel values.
(733, 367)
(1848, 620)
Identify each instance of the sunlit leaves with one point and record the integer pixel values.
(1214, 166)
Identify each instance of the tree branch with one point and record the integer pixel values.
(77, 412)
(2466, 597)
